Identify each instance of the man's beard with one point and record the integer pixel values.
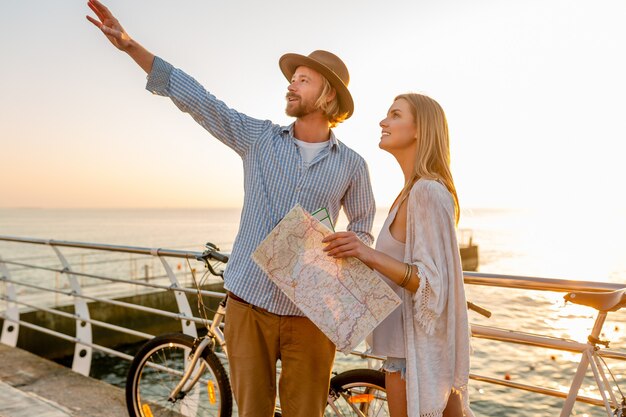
(301, 109)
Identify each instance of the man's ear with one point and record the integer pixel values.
(331, 96)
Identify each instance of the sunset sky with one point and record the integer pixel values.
(533, 90)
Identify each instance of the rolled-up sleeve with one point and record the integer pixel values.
(159, 77)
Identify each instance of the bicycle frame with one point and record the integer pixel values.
(214, 334)
(591, 358)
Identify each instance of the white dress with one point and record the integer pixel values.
(387, 339)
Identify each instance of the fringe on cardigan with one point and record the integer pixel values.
(425, 317)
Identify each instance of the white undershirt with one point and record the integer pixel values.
(309, 150)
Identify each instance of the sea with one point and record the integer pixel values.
(565, 242)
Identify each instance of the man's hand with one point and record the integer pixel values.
(109, 25)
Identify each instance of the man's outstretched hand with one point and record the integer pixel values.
(109, 25)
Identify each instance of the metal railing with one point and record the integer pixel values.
(84, 324)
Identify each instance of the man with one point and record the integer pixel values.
(283, 165)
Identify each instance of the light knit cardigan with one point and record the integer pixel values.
(435, 317)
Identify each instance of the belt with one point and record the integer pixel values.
(234, 297)
(242, 301)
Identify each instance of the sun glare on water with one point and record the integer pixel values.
(576, 243)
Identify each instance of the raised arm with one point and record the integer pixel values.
(235, 129)
(116, 34)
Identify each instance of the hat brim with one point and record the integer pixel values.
(289, 62)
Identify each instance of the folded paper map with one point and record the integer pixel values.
(343, 297)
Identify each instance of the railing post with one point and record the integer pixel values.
(189, 327)
(11, 325)
(82, 352)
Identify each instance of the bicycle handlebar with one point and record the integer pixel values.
(220, 257)
(211, 253)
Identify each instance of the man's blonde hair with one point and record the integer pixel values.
(330, 108)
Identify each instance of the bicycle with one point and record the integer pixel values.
(603, 302)
(179, 375)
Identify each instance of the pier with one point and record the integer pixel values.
(33, 386)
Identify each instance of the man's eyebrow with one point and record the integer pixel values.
(300, 76)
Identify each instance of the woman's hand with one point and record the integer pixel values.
(346, 244)
(109, 25)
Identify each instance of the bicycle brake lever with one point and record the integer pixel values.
(211, 246)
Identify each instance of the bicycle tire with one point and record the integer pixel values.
(358, 392)
(148, 386)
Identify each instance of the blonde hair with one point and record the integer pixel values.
(432, 159)
(330, 108)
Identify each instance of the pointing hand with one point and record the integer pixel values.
(109, 25)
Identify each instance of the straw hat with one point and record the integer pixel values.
(327, 64)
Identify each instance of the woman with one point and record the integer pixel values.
(426, 340)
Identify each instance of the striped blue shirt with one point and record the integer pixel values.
(275, 180)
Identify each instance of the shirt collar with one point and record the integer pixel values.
(334, 142)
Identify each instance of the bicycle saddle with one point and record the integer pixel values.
(602, 301)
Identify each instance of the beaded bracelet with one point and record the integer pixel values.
(407, 275)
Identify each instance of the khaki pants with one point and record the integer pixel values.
(256, 340)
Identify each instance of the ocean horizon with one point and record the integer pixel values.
(520, 241)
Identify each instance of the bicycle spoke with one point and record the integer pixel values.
(362, 401)
(160, 371)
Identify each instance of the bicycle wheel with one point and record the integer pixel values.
(157, 369)
(358, 392)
